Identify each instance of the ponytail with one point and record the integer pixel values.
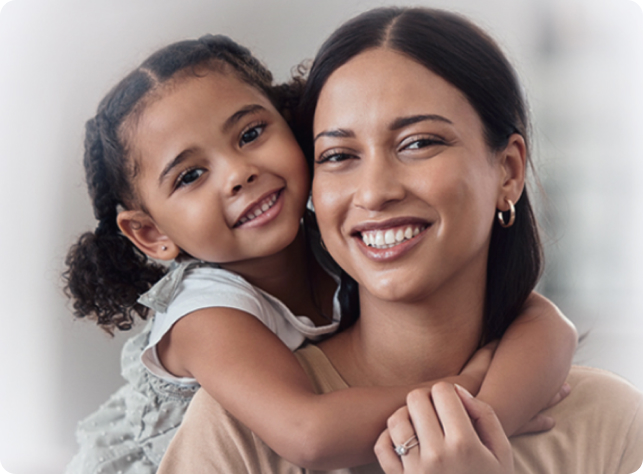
(106, 273)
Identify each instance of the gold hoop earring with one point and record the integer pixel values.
(512, 215)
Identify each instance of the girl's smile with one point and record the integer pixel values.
(262, 211)
(218, 171)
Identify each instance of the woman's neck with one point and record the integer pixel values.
(395, 343)
(293, 277)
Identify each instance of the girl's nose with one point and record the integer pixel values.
(240, 175)
(378, 183)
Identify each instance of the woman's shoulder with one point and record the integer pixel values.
(599, 429)
(604, 385)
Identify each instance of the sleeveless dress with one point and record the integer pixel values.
(131, 431)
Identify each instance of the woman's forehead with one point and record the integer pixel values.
(386, 85)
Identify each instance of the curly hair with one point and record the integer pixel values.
(105, 272)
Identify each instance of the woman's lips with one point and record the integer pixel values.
(387, 238)
(262, 211)
(391, 239)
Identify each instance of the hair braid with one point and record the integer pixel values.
(105, 272)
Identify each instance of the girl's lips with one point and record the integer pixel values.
(262, 211)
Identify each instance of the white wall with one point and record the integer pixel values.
(582, 62)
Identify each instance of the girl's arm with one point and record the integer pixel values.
(530, 364)
(254, 376)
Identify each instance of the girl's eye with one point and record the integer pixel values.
(251, 134)
(333, 156)
(189, 176)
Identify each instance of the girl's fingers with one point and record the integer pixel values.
(487, 426)
(564, 391)
(537, 424)
(542, 422)
(386, 456)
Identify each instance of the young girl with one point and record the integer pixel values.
(189, 160)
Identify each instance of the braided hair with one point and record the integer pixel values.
(105, 272)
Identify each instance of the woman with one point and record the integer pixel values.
(419, 140)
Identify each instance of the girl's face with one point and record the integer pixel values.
(405, 188)
(218, 171)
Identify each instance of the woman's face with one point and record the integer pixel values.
(405, 187)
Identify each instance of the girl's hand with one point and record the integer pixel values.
(542, 422)
(472, 374)
(455, 434)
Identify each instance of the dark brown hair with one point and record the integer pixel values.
(462, 54)
(105, 272)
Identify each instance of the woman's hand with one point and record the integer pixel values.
(444, 431)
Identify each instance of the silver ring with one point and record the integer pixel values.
(404, 448)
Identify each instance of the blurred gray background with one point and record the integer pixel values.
(581, 62)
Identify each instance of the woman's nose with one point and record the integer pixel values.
(241, 174)
(378, 183)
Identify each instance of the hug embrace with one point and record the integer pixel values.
(378, 318)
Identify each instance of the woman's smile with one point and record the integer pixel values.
(405, 186)
(391, 239)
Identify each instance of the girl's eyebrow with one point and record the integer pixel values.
(239, 114)
(227, 125)
(175, 162)
(395, 125)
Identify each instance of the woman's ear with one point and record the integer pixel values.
(513, 160)
(141, 229)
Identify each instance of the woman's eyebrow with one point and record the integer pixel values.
(335, 133)
(239, 114)
(405, 121)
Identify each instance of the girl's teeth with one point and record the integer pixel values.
(389, 238)
(267, 204)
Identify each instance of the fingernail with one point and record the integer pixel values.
(463, 391)
(566, 389)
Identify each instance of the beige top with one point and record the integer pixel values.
(599, 430)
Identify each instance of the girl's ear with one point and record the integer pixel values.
(141, 229)
(513, 160)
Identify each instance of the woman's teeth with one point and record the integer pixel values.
(259, 209)
(383, 239)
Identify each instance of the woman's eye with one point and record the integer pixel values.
(419, 143)
(189, 177)
(333, 157)
(251, 134)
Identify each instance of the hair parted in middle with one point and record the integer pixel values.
(105, 272)
(461, 53)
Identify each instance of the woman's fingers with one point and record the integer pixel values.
(488, 427)
(454, 432)
(386, 456)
